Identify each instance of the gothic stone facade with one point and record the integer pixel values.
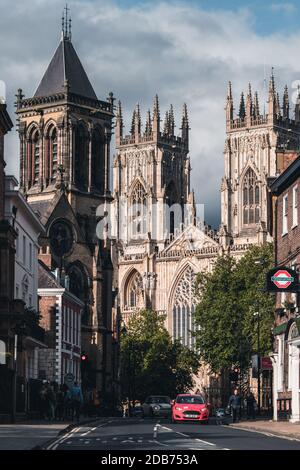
(157, 262)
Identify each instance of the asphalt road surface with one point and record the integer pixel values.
(161, 434)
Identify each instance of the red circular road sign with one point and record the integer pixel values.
(282, 279)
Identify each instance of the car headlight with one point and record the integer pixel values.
(204, 410)
(156, 407)
(178, 408)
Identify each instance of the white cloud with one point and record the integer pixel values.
(285, 7)
(179, 51)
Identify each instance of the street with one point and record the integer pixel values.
(26, 436)
(160, 434)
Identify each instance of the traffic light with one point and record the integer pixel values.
(84, 357)
(234, 375)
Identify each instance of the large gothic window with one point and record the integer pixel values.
(52, 156)
(134, 291)
(138, 211)
(81, 166)
(175, 213)
(251, 198)
(35, 157)
(184, 305)
(98, 159)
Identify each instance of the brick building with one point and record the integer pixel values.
(61, 313)
(286, 232)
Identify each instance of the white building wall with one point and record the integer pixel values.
(28, 228)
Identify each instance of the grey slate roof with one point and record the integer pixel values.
(65, 65)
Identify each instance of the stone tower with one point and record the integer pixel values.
(258, 147)
(65, 133)
(151, 177)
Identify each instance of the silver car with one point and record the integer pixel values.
(157, 405)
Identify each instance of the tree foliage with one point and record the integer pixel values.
(228, 298)
(151, 363)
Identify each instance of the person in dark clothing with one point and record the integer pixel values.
(43, 401)
(77, 400)
(250, 406)
(235, 404)
(60, 402)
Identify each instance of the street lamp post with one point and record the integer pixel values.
(256, 315)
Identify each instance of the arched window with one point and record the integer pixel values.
(52, 155)
(251, 198)
(138, 211)
(98, 165)
(175, 214)
(25, 286)
(134, 291)
(184, 304)
(35, 156)
(81, 158)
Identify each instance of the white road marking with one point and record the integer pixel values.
(205, 442)
(265, 433)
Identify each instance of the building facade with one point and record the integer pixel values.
(286, 357)
(61, 313)
(28, 229)
(258, 146)
(65, 134)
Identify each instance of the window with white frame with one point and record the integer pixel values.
(30, 256)
(295, 206)
(24, 250)
(285, 215)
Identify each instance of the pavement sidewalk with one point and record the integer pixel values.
(277, 428)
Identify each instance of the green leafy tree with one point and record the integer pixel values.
(229, 297)
(151, 363)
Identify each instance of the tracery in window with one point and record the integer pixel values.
(184, 305)
(138, 211)
(251, 198)
(134, 291)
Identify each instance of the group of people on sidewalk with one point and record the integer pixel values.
(60, 403)
(235, 403)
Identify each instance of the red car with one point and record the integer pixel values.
(190, 407)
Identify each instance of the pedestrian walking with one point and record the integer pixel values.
(77, 400)
(250, 406)
(43, 401)
(60, 403)
(235, 404)
(51, 402)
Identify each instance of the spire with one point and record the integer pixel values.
(229, 105)
(249, 107)
(66, 24)
(119, 124)
(156, 118)
(132, 123)
(256, 106)
(185, 124)
(285, 104)
(272, 111)
(272, 82)
(297, 106)
(278, 110)
(136, 123)
(167, 123)
(171, 121)
(148, 126)
(242, 111)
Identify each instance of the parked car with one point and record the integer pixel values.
(137, 411)
(157, 405)
(189, 407)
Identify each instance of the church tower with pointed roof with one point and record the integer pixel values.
(65, 133)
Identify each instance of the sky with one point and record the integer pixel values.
(186, 51)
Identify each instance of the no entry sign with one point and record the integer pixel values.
(282, 279)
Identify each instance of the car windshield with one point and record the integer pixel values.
(192, 399)
(160, 400)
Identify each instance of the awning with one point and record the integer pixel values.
(278, 330)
